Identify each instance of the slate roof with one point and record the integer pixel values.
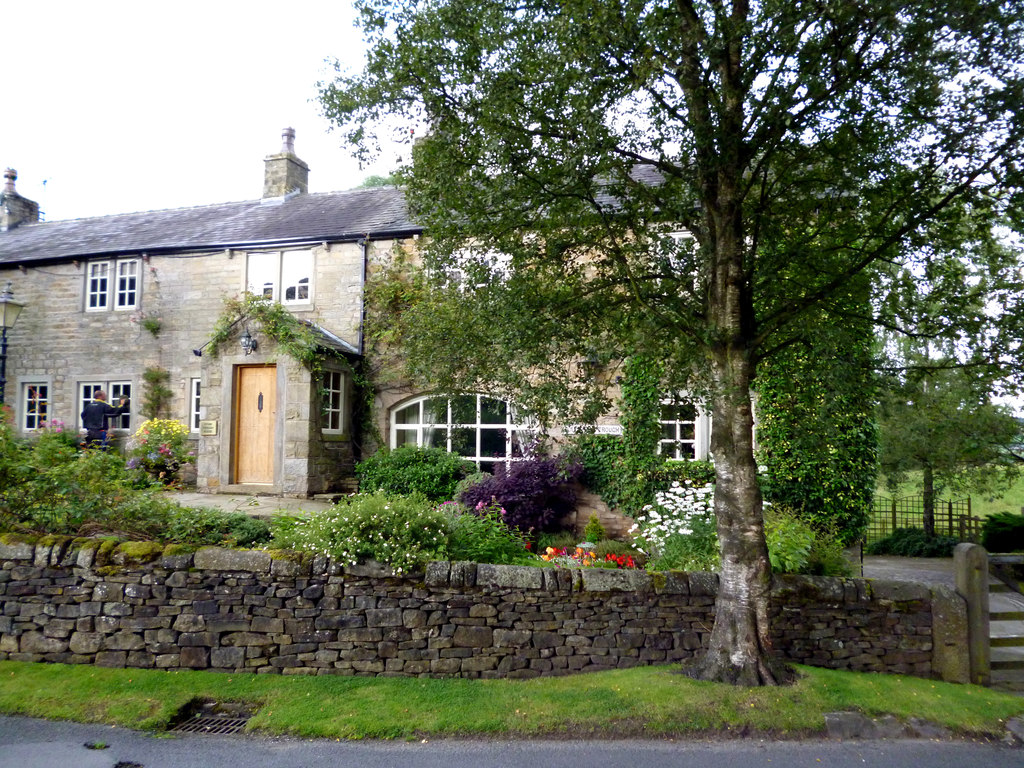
(330, 216)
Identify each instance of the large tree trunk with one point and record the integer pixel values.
(740, 650)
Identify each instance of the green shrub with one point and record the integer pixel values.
(203, 526)
(431, 472)
(483, 537)
(594, 532)
(696, 551)
(789, 542)
(1003, 532)
(796, 546)
(912, 542)
(403, 532)
(556, 540)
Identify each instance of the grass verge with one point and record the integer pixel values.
(643, 702)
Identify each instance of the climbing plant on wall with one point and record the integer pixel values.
(816, 430)
(292, 336)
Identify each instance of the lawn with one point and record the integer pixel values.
(653, 702)
(1010, 500)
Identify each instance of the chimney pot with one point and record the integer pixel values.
(15, 209)
(288, 141)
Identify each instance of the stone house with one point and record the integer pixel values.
(109, 300)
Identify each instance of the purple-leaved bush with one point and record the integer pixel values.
(535, 494)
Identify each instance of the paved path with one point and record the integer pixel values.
(258, 506)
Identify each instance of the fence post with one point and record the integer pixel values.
(893, 529)
(970, 565)
(949, 510)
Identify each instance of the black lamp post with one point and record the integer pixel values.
(9, 311)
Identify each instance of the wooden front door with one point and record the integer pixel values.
(255, 418)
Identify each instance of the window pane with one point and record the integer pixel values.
(493, 411)
(686, 431)
(86, 394)
(127, 284)
(668, 431)
(36, 405)
(98, 285)
(488, 466)
(493, 443)
(408, 415)
(435, 410)
(332, 400)
(464, 441)
(518, 438)
(117, 391)
(405, 437)
(296, 273)
(195, 405)
(262, 274)
(435, 437)
(464, 409)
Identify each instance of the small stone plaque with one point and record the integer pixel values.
(208, 428)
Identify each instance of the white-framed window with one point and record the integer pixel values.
(112, 284)
(193, 400)
(35, 404)
(127, 287)
(115, 391)
(284, 276)
(685, 429)
(333, 392)
(483, 429)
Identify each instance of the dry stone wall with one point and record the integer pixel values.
(83, 602)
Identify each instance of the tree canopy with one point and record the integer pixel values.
(695, 180)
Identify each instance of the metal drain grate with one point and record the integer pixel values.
(213, 724)
(206, 716)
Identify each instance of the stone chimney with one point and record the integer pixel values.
(15, 209)
(284, 172)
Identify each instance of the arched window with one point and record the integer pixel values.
(481, 428)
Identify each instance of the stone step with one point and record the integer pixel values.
(1017, 664)
(1006, 642)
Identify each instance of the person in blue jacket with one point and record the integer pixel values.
(94, 418)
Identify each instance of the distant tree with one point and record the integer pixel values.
(378, 181)
(691, 181)
(942, 422)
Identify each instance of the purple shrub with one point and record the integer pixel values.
(535, 494)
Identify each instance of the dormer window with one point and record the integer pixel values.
(284, 276)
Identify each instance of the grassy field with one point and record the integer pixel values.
(653, 702)
(1011, 500)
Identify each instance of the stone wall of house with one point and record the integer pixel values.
(58, 344)
(87, 602)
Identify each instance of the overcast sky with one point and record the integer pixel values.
(111, 107)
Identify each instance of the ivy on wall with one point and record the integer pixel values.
(156, 394)
(816, 431)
